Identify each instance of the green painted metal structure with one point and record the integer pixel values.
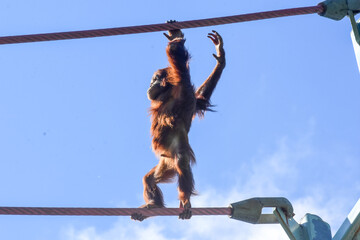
(310, 227)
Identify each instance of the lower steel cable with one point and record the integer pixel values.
(56, 211)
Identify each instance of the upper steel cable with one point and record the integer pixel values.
(161, 27)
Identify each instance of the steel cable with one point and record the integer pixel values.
(161, 27)
(110, 211)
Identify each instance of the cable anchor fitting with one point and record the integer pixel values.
(250, 210)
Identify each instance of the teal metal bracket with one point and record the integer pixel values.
(338, 9)
(250, 210)
(310, 227)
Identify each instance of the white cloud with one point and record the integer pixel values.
(271, 174)
(121, 230)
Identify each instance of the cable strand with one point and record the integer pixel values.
(109, 211)
(161, 27)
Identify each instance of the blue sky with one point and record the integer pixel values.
(74, 126)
